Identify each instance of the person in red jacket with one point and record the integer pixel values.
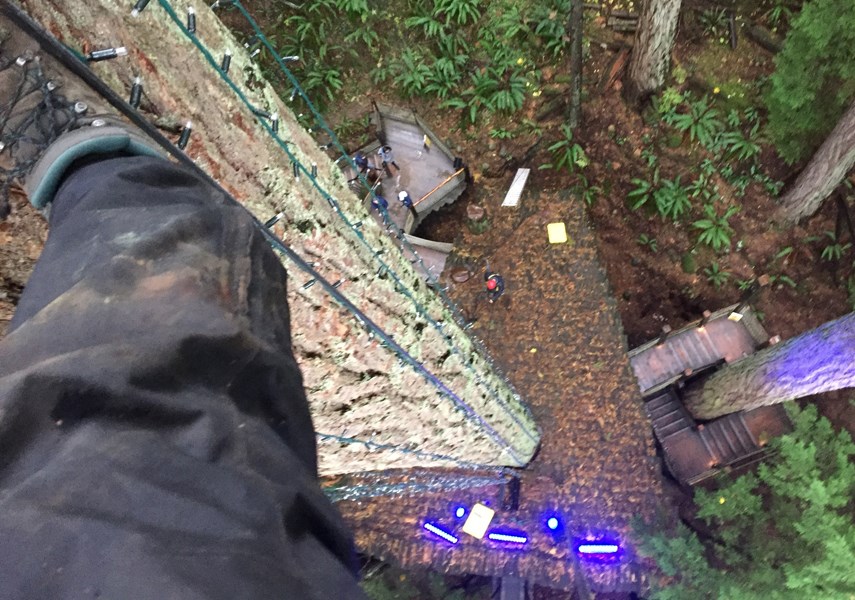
(495, 285)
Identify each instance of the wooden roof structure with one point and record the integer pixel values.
(597, 466)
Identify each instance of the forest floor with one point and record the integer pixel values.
(653, 287)
(667, 285)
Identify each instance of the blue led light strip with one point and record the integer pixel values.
(598, 548)
(435, 529)
(507, 537)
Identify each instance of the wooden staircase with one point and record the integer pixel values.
(667, 415)
(728, 439)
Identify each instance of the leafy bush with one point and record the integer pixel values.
(412, 72)
(671, 199)
(834, 251)
(643, 190)
(323, 80)
(814, 79)
(701, 122)
(566, 153)
(734, 144)
(716, 276)
(587, 192)
(714, 22)
(459, 11)
(647, 241)
(715, 230)
(670, 99)
(785, 531)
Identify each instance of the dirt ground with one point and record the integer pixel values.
(653, 288)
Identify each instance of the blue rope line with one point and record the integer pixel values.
(399, 350)
(420, 453)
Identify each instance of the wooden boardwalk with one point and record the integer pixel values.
(693, 347)
(428, 176)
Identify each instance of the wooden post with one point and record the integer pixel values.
(706, 318)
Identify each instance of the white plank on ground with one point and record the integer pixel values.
(512, 198)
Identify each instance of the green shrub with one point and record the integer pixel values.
(715, 230)
(782, 531)
(648, 242)
(834, 251)
(671, 198)
(701, 122)
(814, 79)
(716, 276)
(568, 154)
(643, 190)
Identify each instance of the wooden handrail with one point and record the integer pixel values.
(447, 179)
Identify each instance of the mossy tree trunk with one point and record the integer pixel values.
(357, 388)
(651, 52)
(819, 360)
(825, 171)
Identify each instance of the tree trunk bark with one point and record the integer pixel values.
(357, 389)
(819, 360)
(823, 173)
(651, 52)
(575, 111)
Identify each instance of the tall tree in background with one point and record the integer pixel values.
(814, 78)
(823, 173)
(786, 532)
(576, 28)
(651, 52)
(819, 360)
(809, 92)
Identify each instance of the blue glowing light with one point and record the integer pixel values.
(460, 512)
(552, 523)
(597, 548)
(435, 529)
(508, 537)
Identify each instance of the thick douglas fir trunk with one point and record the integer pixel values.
(823, 173)
(651, 52)
(370, 409)
(819, 360)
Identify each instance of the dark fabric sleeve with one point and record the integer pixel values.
(155, 440)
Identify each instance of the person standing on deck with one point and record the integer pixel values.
(379, 203)
(361, 162)
(386, 156)
(407, 201)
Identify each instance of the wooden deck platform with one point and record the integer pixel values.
(428, 176)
